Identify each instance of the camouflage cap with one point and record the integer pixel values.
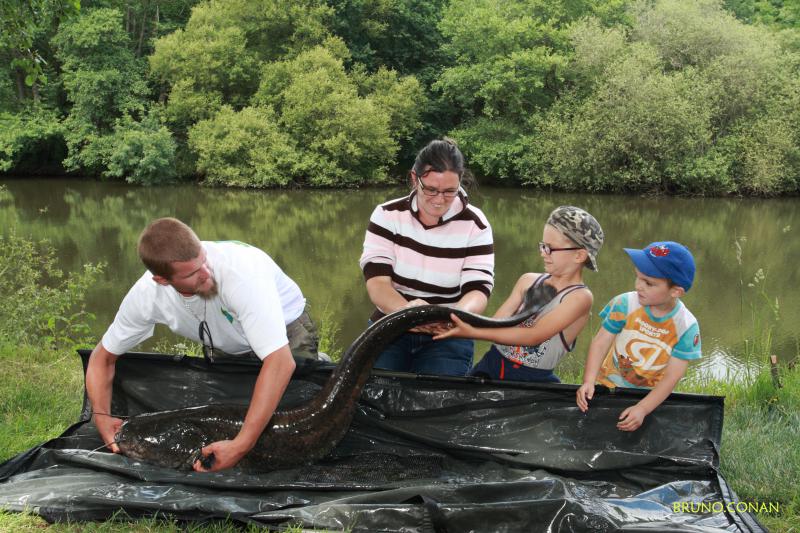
(581, 227)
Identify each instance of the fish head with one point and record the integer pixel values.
(538, 296)
(165, 441)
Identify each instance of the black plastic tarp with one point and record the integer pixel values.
(424, 453)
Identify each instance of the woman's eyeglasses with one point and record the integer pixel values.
(546, 249)
(208, 349)
(430, 191)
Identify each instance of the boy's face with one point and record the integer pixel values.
(655, 291)
(560, 261)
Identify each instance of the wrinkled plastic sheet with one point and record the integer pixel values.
(424, 453)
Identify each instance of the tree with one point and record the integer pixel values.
(511, 62)
(110, 129)
(310, 123)
(689, 100)
(216, 59)
(23, 24)
(147, 20)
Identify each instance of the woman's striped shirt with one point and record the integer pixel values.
(438, 264)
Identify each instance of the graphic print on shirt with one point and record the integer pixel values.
(644, 344)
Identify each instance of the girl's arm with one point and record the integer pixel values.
(574, 306)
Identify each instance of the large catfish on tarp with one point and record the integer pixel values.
(306, 433)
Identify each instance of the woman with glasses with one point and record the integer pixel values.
(430, 247)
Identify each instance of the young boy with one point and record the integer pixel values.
(571, 240)
(648, 336)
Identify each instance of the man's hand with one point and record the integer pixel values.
(99, 380)
(108, 427)
(227, 453)
(631, 418)
(583, 395)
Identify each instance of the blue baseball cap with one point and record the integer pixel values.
(665, 259)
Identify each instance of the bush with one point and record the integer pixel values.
(141, 152)
(42, 307)
(637, 131)
(691, 101)
(311, 123)
(24, 135)
(244, 149)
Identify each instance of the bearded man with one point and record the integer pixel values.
(231, 297)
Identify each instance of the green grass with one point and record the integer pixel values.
(40, 395)
(328, 329)
(25, 522)
(760, 456)
(41, 391)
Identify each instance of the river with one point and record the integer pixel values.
(316, 237)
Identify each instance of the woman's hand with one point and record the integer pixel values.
(459, 328)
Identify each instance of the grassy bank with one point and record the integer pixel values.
(41, 393)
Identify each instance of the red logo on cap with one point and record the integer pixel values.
(659, 251)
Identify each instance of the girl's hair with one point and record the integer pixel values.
(165, 241)
(441, 155)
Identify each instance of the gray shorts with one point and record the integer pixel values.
(303, 336)
(303, 340)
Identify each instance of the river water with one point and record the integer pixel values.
(316, 237)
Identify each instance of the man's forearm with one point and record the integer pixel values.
(274, 376)
(99, 379)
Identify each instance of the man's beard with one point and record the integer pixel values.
(210, 293)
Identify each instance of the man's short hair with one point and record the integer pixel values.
(165, 241)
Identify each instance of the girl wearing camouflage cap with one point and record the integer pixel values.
(529, 352)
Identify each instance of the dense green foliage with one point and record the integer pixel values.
(41, 307)
(689, 100)
(691, 97)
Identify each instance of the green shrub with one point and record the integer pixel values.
(311, 123)
(244, 149)
(27, 134)
(689, 100)
(141, 152)
(41, 306)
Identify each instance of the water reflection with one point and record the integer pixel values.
(316, 236)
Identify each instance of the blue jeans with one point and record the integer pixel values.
(495, 366)
(420, 354)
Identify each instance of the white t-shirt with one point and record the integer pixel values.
(254, 303)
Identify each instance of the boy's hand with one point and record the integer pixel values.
(459, 329)
(631, 418)
(583, 395)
